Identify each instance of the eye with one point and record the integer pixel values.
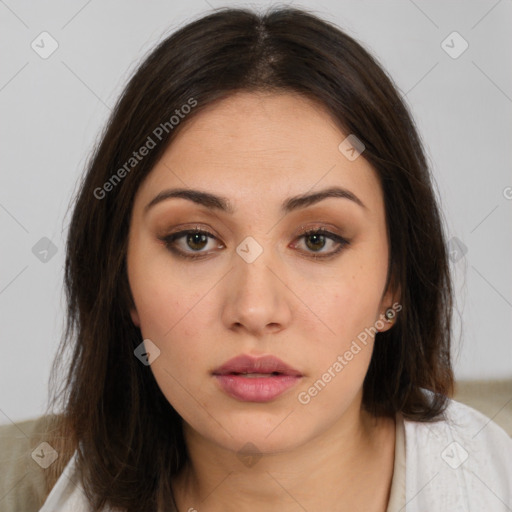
(195, 239)
(317, 239)
(190, 243)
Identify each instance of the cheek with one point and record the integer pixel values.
(187, 343)
(348, 307)
(339, 360)
(174, 325)
(173, 313)
(162, 299)
(349, 301)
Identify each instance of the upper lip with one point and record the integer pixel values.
(248, 364)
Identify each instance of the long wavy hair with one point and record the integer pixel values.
(128, 437)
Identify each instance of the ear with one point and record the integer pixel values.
(391, 300)
(135, 316)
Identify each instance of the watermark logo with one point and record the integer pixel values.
(44, 250)
(454, 455)
(454, 45)
(351, 147)
(45, 455)
(249, 454)
(44, 45)
(147, 352)
(249, 249)
(456, 249)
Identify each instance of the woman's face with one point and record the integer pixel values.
(252, 283)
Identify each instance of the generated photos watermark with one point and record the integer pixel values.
(150, 143)
(305, 397)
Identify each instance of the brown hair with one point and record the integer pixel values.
(128, 436)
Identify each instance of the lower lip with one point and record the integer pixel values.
(256, 389)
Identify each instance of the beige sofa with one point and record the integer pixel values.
(22, 480)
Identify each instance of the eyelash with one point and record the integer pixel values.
(170, 241)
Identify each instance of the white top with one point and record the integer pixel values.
(461, 463)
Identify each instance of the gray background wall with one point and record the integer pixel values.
(54, 108)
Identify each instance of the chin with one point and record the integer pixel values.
(262, 432)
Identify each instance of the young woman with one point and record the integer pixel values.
(259, 297)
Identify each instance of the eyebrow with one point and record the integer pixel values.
(214, 202)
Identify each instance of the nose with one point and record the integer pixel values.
(257, 298)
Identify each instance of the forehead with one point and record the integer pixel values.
(269, 146)
(261, 126)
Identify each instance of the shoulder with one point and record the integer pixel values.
(462, 423)
(462, 458)
(23, 483)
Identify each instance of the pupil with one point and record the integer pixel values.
(193, 239)
(320, 239)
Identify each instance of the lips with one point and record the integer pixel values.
(250, 379)
(253, 366)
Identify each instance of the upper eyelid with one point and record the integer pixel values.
(302, 232)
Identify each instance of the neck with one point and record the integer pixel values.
(333, 471)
